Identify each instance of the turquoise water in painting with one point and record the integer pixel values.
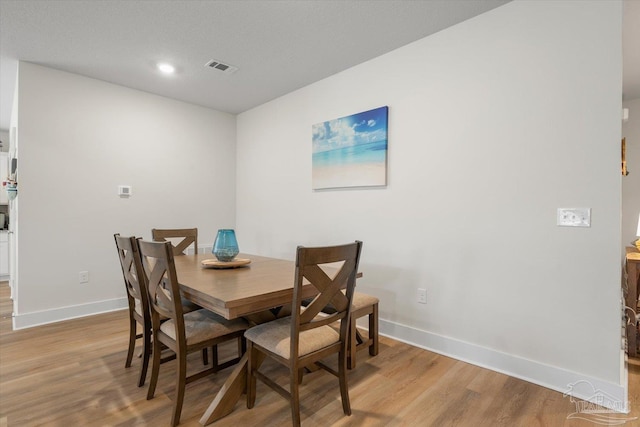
(373, 152)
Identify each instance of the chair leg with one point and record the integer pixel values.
(353, 343)
(373, 336)
(132, 340)
(373, 330)
(214, 356)
(155, 367)
(205, 356)
(242, 345)
(181, 382)
(295, 396)
(251, 377)
(344, 386)
(146, 353)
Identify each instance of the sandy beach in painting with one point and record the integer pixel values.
(355, 175)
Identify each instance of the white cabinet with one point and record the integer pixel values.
(4, 173)
(4, 253)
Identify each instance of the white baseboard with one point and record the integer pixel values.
(572, 384)
(37, 318)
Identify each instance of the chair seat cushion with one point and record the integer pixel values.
(187, 306)
(363, 300)
(359, 301)
(275, 336)
(202, 325)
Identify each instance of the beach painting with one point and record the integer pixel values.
(351, 151)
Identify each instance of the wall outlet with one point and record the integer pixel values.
(83, 277)
(574, 217)
(422, 296)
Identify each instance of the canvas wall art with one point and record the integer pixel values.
(351, 151)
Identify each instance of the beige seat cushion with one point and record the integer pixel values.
(363, 300)
(275, 336)
(187, 306)
(201, 325)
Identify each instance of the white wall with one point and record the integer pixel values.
(79, 138)
(493, 125)
(4, 137)
(631, 182)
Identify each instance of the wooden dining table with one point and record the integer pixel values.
(250, 291)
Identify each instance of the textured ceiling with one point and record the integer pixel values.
(278, 46)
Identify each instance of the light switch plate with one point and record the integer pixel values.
(574, 217)
(422, 295)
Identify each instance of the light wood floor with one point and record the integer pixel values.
(72, 374)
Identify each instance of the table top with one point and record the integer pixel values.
(262, 284)
(633, 253)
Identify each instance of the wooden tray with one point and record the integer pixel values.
(214, 263)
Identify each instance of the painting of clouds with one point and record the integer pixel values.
(351, 151)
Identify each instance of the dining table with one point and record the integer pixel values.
(253, 291)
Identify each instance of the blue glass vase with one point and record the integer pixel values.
(225, 247)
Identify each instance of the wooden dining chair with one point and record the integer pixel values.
(182, 333)
(138, 300)
(189, 236)
(305, 338)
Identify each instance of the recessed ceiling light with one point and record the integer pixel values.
(166, 68)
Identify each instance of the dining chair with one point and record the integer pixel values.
(181, 332)
(189, 236)
(138, 301)
(305, 338)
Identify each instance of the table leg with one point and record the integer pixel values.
(228, 395)
(235, 385)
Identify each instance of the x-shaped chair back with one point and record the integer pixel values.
(164, 291)
(309, 262)
(132, 271)
(189, 236)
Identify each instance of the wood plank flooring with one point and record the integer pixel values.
(72, 374)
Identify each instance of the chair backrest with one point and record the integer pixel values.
(188, 235)
(132, 271)
(309, 262)
(162, 281)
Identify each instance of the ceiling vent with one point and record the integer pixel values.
(221, 66)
